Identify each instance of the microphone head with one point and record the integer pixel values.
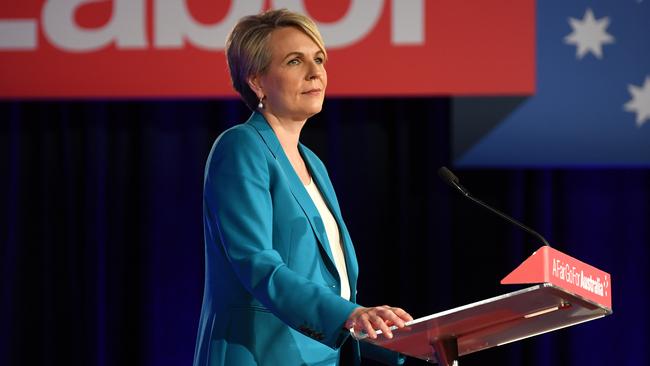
(448, 176)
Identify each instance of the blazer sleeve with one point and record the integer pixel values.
(239, 206)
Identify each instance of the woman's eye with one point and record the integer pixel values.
(294, 61)
(319, 60)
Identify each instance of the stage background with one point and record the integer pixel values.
(101, 239)
(101, 242)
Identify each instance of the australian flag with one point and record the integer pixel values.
(592, 101)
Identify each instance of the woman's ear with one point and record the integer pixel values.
(255, 85)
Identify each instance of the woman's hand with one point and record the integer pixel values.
(378, 317)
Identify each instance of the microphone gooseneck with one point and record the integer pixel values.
(451, 179)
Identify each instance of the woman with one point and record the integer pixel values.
(280, 285)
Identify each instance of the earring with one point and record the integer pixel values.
(260, 105)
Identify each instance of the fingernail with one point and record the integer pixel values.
(389, 334)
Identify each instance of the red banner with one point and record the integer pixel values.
(548, 265)
(174, 48)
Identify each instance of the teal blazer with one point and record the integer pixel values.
(271, 293)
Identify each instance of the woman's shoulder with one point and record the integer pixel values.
(237, 146)
(241, 135)
(247, 135)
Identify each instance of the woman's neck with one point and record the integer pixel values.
(287, 131)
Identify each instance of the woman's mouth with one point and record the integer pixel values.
(313, 92)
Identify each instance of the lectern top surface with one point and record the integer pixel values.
(495, 321)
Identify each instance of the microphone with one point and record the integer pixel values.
(453, 181)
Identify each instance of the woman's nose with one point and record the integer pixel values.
(315, 71)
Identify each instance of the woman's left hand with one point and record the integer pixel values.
(378, 317)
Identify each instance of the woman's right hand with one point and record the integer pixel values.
(378, 317)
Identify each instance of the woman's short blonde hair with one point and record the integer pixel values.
(248, 51)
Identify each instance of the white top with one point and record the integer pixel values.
(333, 236)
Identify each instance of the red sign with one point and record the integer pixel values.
(552, 266)
(159, 48)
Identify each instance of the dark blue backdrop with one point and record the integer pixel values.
(101, 248)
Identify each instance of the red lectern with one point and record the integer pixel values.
(568, 292)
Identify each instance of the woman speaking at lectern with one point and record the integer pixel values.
(281, 272)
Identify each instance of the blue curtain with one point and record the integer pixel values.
(101, 246)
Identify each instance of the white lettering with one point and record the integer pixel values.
(126, 28)
(600, 289)
(173, 23)
(586, 283)
(18, 34)
(407, 26)
(361, 18)
(591, 285)
(567, 273)
(571, 275)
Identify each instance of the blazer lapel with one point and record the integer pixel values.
(326, 190)
(295, 184)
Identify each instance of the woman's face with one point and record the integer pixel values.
(295, 81)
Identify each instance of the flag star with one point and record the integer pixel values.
(589, 34)
(640, 102)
